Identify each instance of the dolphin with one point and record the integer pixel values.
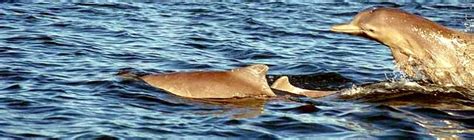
(238, 83)
(422, 49)
(242, 82)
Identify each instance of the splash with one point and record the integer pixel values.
(450, 67)
(398, 84)
(469, 24)
(394, 89)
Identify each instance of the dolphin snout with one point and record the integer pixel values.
(347, 28)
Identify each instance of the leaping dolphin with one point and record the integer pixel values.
(421, 48)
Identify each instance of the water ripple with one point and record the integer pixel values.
(58, 63)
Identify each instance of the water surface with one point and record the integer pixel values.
(58, 64)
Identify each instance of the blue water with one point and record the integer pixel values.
(58, 64)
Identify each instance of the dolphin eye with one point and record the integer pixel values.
(368, 29)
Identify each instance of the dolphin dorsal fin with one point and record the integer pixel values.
(255, 77)
(283, 83)
(256, 69)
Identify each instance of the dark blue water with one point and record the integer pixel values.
(58, 64)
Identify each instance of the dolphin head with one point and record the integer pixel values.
(377, 23)
(393, 28)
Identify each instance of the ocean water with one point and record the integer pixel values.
(58, 65)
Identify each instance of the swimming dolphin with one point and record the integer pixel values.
(242, 82)
(245, 82)
(421, 48)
